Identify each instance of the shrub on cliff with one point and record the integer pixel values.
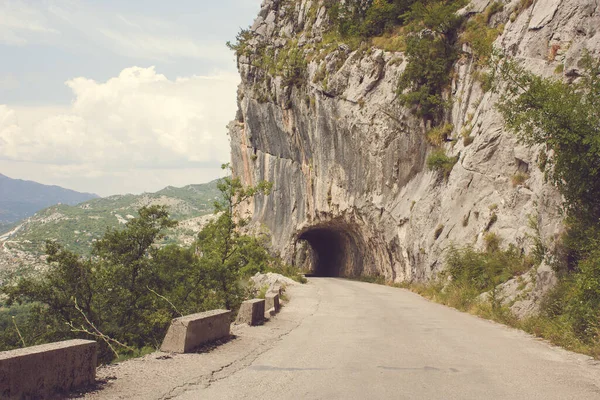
(440, 162)
(480, 36)
(565, 119)
(483, 270)
(366, 18)
(431, 52)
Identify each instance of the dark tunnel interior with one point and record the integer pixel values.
(333, 251)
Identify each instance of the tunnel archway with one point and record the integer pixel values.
(333, 249)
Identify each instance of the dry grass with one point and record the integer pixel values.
(438, 135)
(519, 178)
(394, 41)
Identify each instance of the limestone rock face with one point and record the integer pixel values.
(349, 164)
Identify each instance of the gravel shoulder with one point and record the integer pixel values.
(165, 375)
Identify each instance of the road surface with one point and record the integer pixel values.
(340, 339)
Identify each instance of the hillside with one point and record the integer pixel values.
(77, 227)
(20, 199)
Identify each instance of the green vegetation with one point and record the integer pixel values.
(440, 162)
(470, 273)
(393, 41)
(431, 52)
(428, 32)
(522, 6)
(482, 271)
(367, 19)
(289, 62)
(565, 313)
(240, 47)
(480, 36)
(565, 118)
(125, 294)
(292, 66)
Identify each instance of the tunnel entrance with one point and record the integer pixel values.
(332, 250)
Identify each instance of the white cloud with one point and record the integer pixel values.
(138, 120)
(132, 36)
(160, 47)
(19, 23)
(136, 36)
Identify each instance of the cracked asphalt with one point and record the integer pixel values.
(340, 339)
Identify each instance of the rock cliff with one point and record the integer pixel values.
(348, 162)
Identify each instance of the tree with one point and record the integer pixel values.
(565, 119)
(431, 52)
(108, 292)
(128, 291)
(225, 252)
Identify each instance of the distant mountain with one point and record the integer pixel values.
(20, 199)
(77, 227)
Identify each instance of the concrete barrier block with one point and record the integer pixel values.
(272, 301)
(270, 313)
(189, 332)
(252, 312)
(277, 288)
(39, 372)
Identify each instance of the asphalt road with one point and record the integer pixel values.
(354, 340)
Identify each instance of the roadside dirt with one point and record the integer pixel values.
(167, 375)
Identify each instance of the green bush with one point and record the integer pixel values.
(523, 5)
(482, 271)
(492, 10)
(480, 36)
(431, 52)
(291, 65)
(565, 118)
(584, 305)
(519, 178)
(240, 46)
(383, 15)
(367, 19)
(439, 161)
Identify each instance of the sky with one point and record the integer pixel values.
(118, 96)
